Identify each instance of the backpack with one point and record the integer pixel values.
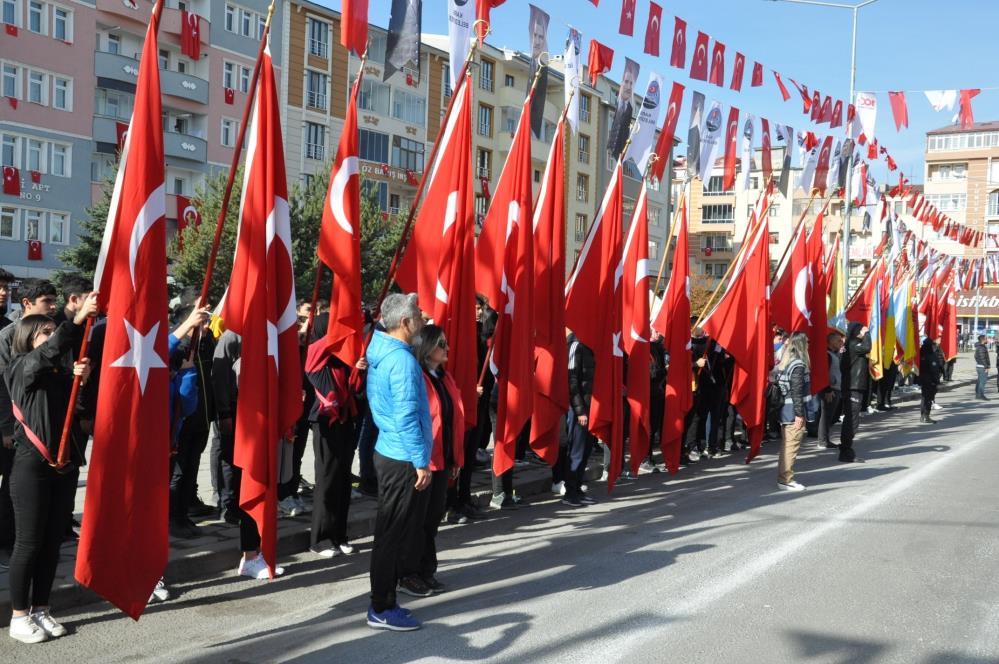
(774, 395)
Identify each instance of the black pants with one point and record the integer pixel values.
(657, 409)
(333, 447)
(853, 403)
(484, 423)
(828, 415)
(886, 386)
(461, 495)
(231, 474)
(6, 507)
(398, 521)
(928, 392)
(290, 488)
(581, 443)
(43, 506)
(422, 557)
(367, 435)
(192, 441)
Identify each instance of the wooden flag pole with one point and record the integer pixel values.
(673, 231)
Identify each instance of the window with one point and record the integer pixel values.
(59, 165)
(377, 43)
(58, 227)
(33, 223)
(481, 207)
(548, 131)
(102, 168)
(993, 204)
(509, 116)
(8, 223)
(244, 22)
(62, 24)
(714, 186)
(509, 81)
(483, 163)
(113, 104)
(179, 186)
(582, 188)
(164, 59)
(36, 17)
(446, 80)
(230, 18)
(949, 172)
(654, 214)
(716, 270)
(10, 11)
(36, 155)
(409, 107)
(181, 66)
(319, 37)
(485, 120)
(315, 95)
(486, 71)
(37, 88)
(584, 108)
(229, 75)
(315, 141)
(373, 146)
(244, 79)
(230, 128)
(948, 202)
(580, 227)
(994, 170)
(584, 149)
(374, 96)
(11, 81)
(774, 237)
(10, 151)
(717, 214)
(965, 141)
(631, 170)
(407, 154)
(380, 190)
(63, 97)
(716, 242)
(114, 44)
(394, 203)
(653, 250)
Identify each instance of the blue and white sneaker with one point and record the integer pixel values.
(396, 619)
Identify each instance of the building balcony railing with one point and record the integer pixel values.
(316, 100)
(139, 11)
(126, 70)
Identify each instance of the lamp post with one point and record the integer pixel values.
(845, 242)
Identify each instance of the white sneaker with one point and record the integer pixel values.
(303, 508)
(45, 620)
(257, 568)
(871, 410)
(26, 630)
(693, 456)
(346, 548)
(937, 406)
(288, 507)
(160, 593)
(558, 488)
(329, 553)
(793, 486)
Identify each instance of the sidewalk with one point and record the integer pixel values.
(216, 552)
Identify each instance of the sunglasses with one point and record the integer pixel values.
(442, 343)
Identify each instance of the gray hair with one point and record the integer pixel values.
(397, 306)
(796, 348)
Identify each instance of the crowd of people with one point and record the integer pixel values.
(398, 409)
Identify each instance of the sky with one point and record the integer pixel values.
(909, 45)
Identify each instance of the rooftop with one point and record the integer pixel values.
(956, 129)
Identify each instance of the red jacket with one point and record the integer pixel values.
(457, 424)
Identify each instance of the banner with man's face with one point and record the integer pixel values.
(625, 110)
(538, 31)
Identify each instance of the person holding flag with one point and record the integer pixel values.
(856, 377)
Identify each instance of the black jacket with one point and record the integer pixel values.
(204, 361)
(982, 356)
(657, 368)
(581, 368)
(855, 363)
(40, 384)
(225, 377)
(931, 363)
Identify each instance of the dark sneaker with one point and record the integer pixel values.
(395, 619)
(434, 584)
(198, 509)
(587, 499)
(415, 587)
(454, 516)
(572, 501)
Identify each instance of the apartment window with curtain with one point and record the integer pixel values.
(407, 154)
(10, 12)
(230, 129)
(38, 88)
(584, 107)
(409, 107)
(994, 204)
(580, 227)
(33, 224)
(584, 149)
(315, 90)
(62, 24)
(483, 163)
(63, 94)
(485, 120)
(509, 81)
(58, 228)
(486, 72)
(315, 141)
(59, 164)
(582, 188)
(319, 37)
(11, 81)
(9, 223)
(717, 214)
(373, 146)
(36, 17)
(373, 96)
(10, 151)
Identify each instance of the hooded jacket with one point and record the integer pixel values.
(397, 396)
(856, 373)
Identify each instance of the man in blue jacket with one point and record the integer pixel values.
(397, 397)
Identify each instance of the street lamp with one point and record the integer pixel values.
(853, 82)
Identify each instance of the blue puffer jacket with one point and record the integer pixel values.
(397, 396)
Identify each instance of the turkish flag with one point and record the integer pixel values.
(340, 241)
(699, 66)
(12, 101)
(484, 186)
(837, 114)
(260, 307)
(440, 258)
(717, 64)
(826, 112)
(593, 312)
(738, 69)
(766, 158)
(653, 29)
(673, 322)
(34, 250)
(860, 307)
(816, 106)
(11, 29)
(121, 134)
(36, 177)
(822, 167)
(731, 147)
(965, 114)
(124, 545)
(354, 26)
(600, 60)
(817, 314)
(780, 84)
(678, 56)
(190, 34)
(551, 373)
(627, 23)
(636, 328)
(757, 75)
(664, 144)
(790, 295)
(11, 181)
(740, 323)
(504, 273)
(947, 315)
(230, 96)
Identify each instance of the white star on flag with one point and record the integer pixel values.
(141, 355)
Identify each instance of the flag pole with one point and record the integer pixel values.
(794, 232)
(315, 299)
(673, 231)
(236, 154)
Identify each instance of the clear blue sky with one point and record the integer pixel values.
(910, 45)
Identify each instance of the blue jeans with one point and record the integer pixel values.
(983, 375)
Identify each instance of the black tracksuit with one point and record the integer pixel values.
(931, 369)
(580, 440)
(856, 380)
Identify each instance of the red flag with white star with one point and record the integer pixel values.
(123, 542)
(636, 328)
(260, 307)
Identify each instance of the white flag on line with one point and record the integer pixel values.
(644, 137)
(460, 16)
(746, 155)
(573, 77)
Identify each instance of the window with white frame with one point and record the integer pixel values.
(654, 214)
(714, 186)
(113, 104)
(114, 44)
(11, 74)
(36, 155)
(584, 108)
(10, 12)
(582, 188)
(485, 120)
(486, 74)
(993, 205)
(584, 149)
(230, 18)
(377, 43)
(229, 74)
(716, 242)
(407, 154)
(102, 168)
(580, 227)
(38, 87)
(948, 202)
(230, 128)
(10, 150)
(374, 96)
(243, 21)
(244, 79)
(319, 37)
(62, 97)
(948, 172)
(653, 250)
(58, 228)
(446, 79)
(34, 225)
(315, 141)
(9, 225)
(37, 17)
(717, 214)
(409, 107)
(60, 163)
(716, 270)
(62, 24)
(315, 89)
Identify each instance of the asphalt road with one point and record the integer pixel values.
(894, 560)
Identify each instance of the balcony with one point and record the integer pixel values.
(185, 146)
(170, 20)
(126, 70)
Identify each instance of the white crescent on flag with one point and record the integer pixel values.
(348, 169)
(190, 214)
(278, 226)
(802, 285)
(152, 211)
(700, 54)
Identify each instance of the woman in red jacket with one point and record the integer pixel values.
(446, 459)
